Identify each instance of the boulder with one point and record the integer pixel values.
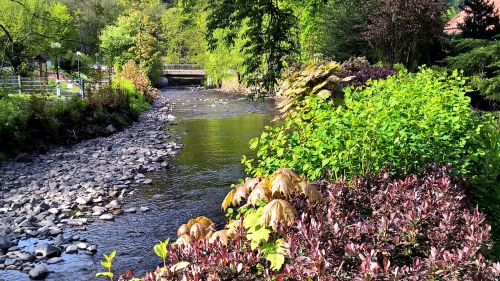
(4, 243)
(47, 251)
(38, 272)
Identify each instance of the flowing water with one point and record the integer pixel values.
(215, 129)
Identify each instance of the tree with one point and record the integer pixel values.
(91, 17)
(481, 21)
(270, 33)
(29, 28)
(135, 35)
(406, 31)
(183, 34)
(340, 27)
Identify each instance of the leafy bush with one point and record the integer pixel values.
(403, 122)
(376, 228)
(140, 80)
(359, 78)
(13, 119)
(416, 228)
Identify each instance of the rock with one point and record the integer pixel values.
(4, 243)
(148, 181)
(82, 245)
(114, 194)
(71, 249)
(38, 272)
(110, 129)
(9, 262)
(130, 210)
(114, 204)
(59, 240)
(47, 251)
(92, 248)
(54, 211)
(145, 209)
(55, 260)
(26, 257)
(82, 201)
(98, 210)
(117, 212)
(107, 217)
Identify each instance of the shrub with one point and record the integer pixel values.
(140, 80)
(13, 119)
(403, 122)
(416, 228)
(482, 59)
(375, 228)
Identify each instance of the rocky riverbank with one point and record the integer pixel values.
(69, 187)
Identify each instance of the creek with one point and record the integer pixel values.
(215, 129)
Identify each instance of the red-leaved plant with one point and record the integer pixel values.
(375, 228)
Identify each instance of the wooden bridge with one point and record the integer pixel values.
(183, 70)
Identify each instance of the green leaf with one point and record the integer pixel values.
(277, 260)
(258, 236)
(106, 264)
(105, 274)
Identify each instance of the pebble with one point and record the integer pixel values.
(71, 249)
(130, 210)
(38, 272)
(47, 251)
(145, 209)
(107, 217)
(55, 260)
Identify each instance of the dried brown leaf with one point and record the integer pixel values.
(278, 210)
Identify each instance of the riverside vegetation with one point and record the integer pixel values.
(366, 180)
(34, 121)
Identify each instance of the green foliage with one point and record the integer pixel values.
(338, 30)
(270, 32)
(28, 29)
(135, 36)
(161, 250)
(405, 121)
(260, 238)
(184, 29)
(481, 58)
(107, 264)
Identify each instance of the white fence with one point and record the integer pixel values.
(17, 84)
(14, 84)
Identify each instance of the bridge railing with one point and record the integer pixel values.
(182, 67)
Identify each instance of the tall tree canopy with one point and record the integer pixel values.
(270, 36)
(29, 27)
(135, 36)
(406, 31)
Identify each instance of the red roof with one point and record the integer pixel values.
(452, 26)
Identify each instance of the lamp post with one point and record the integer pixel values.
(56, 46)
(78, 54)
(80, 81)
